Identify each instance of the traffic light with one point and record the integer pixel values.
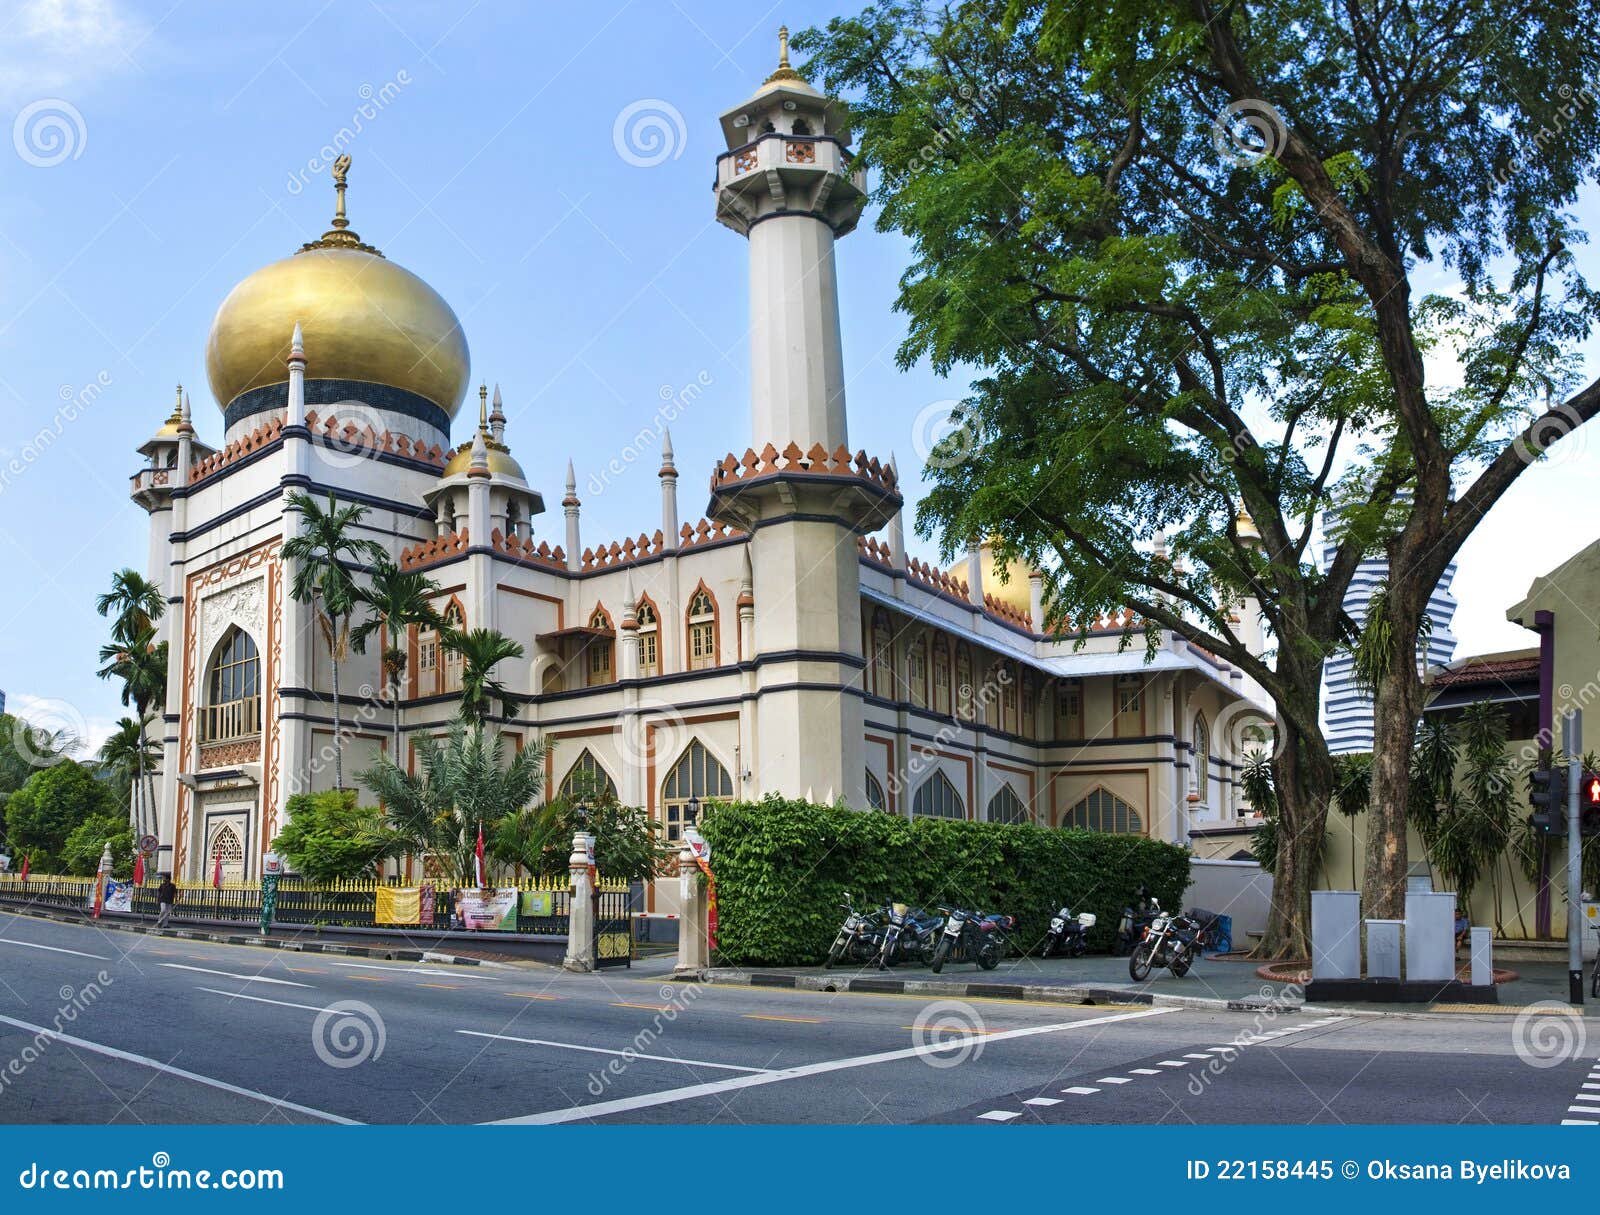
(1547, 793)
(1589, 804)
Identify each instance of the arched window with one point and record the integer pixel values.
(1005, 674)
(587, 779)
(649, 639)
(225, 843)
(233, 691)
(937, 798)
(599, 658)
(455, 621)
(1006, 807)
(696, 778)
(1202, 759)
(917, 671)
(1030, 700)
(875, 798)
(882, 656)
(1103, 810)
(964, 682)
(1130, 706)
(702, 619)
(941, 676)
(1069, 709)
(801, 127)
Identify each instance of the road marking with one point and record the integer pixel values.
(1173, 1063)
(1079, 1090)
(1113, 1080)
(973, 1030)
(229, 975)
(239, 995)
(442, 986)
(598, 1050)
(623, 1105)
(1220, 1050)
(112, 1052)
(1206, 1057)
(1001, 1115)
(771, 1017)
(406, 970)
(1579, 1122)
(1042, 1101)
(53, 949)
(529, 995)
(304, 970)
(1591, 1086)
(651, 1007)
(1146, 1071)
(1580, 1109)
(368, 979)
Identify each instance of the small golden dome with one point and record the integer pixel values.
(364, 319)
(500, 462)
(1014, 592)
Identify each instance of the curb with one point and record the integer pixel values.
(386, 953)
(1042, 993)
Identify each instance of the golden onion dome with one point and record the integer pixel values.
(1014, 591)
(500, 462)
(364, 319)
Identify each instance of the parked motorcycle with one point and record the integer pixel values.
(1173, 941)
(1135, 918)
(860, 937)
(1069, 934)
(971, 936)
(909, 935)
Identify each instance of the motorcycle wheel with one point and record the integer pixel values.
(925, 952)
(989, 955)
(834, 955)
(1049, 947)
(1139, 963)
(1181, 963)
(1080, 946)
(941, 952)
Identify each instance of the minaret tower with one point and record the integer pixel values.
(785, 183)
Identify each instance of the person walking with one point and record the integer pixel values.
(166, 896)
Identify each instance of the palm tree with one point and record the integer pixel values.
(126, 753)
(481, 651)
(136, 600)
(398, 599)
(324, 556)
(1352, 793)
(141, 663)
(463, 784)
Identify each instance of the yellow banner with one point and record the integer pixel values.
(399, 905)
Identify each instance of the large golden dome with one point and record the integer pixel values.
(364, 319)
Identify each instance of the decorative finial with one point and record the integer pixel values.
(668, 468)
(497, 402)
(480, 457)
(340, 236)
(570, 501)
(177, 407)
(185, 426)
(572, 480)
(784, 71)
(297, 345)
(483, 406)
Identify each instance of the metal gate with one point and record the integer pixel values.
(613, 928)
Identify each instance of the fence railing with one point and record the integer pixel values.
(346, 904)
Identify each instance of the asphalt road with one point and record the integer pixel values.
(157, 1030)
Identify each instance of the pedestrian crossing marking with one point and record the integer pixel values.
(1001, 1115)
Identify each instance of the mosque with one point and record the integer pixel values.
(783, 643)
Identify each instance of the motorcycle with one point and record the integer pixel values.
(859, 939)
(970, 936)
(1173, 941)
(1135, 918)
(910, 935)
(1069, 934)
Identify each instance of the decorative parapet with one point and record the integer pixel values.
(524, 549)
(1004, 611)
(706, 532)
(230, 754)
(936, 579)
(624, 553)
(268, 432)
(818, 462)
(431, 552)
(347, 436)
(875, 550)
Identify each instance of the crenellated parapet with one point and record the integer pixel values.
(345, 435)
(431, 552)
(858, 491)
(524, 549)
(936, 579)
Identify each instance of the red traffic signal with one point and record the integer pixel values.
(1591, 789)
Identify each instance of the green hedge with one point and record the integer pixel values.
(782, 868)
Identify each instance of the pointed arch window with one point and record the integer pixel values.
(649, 639)
(1006, 807)
(696, 778)
(941, 676)
(702, 619)
(964, 698)
(882, 656)
(1103, 810)
(587, 779)
(455, 621)
(875, 797)
(917, 671)
(226, 844)
(599, 664)
(936, 797)
(233, 689)
(1202, 758)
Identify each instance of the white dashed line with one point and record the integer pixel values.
(1113, 1080)
(1579, 1122)
(1001, 1115)
(1042, 1101)
(1173, 1063)
(1197, 1056)
(1080, 1090)
(1146, 1071)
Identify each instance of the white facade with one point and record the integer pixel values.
(776, 647)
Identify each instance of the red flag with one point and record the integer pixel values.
(482, 883)
(216, 872)
(138, 869)
(26, 861)
(99, 893)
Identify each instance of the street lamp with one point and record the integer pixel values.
(693, 810)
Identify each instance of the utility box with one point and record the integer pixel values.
(1430, 936)
(1482, 957)
(1335, 934)
(1591, 931)
(1383, 949)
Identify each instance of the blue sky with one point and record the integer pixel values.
(587, 283)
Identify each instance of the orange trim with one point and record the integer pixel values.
(888, 789)
(656, 608)
(716, 629)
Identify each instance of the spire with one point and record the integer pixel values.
(297, 345)
(630, 603)
(497, 418)
(483, 407)
(668, 469)
(572, 487)
(480, 456)
(784, 71)
(570, 505)
(340, 235)
(185, 422)
(897, 525)
(669, 492)
(177, 408)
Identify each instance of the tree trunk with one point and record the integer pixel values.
(1396, 709)
(338, 729)
(1302, 771)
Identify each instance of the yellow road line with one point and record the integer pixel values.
(442, 986)
(368, 978)
(952, 1030)
(770, 1017)
(529, 995)
(651, 1007)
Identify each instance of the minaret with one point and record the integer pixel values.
(570, 505)
(669, 491)
(497, 419)
(785, 184)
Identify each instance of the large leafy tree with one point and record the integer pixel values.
(325, 554)
(42, 814)
(397, 600)
(329, 837)
(1179, 244)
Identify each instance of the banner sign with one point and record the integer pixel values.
(425, 905)
(398, 905)
(536, 903)
(711, 903)
(269, 897)
(487, 910)
(119, 896)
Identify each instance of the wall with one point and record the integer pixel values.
(1234, 888)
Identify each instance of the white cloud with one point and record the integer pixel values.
(50, 714)
(48, 47)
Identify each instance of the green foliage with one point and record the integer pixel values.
(782, 868)
(481, 651)
(80, 855)
(331, 838)
(25, 749)
(1352, 782)
(45, 811)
